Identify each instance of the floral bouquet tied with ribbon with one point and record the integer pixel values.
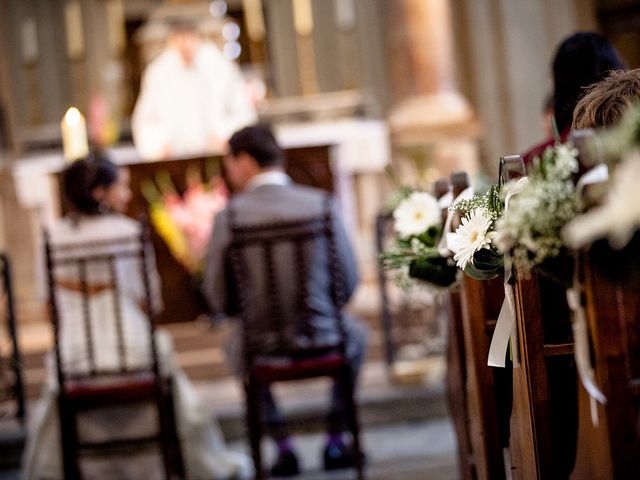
(530, 230)
(417, 218)
(472, 242)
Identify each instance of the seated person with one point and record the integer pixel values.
(581, 60)
(99, 192)
(265, 194)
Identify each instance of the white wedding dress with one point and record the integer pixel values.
(203, 449)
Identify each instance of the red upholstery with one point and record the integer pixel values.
(287, 369)
(112, 389)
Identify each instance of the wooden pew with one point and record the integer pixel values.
(611, 283)
(544, 418)
(484, 391)
(456, 366)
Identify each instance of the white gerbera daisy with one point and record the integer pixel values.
(472, 235)
(416, 214)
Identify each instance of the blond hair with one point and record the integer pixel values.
(605, 103)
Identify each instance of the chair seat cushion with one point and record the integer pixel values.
(268, 369)
(111, 389)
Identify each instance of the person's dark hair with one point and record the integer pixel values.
(82, 177)
(580, 61)
(259, 142)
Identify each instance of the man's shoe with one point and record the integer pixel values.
(338, 457)
(286, 465)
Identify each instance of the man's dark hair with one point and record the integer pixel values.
(580, 61)
(259, 142)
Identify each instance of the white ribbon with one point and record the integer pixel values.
(505, 326)
(504, 329)
(446, 200)
(598, 174)
(443, 249)
(582, 356)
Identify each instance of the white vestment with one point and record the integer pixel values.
(181, 106)
(203, 449)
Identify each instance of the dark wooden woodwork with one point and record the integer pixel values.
(456, 365)
(98, 386)
(545, 410)
(12, 392)
(383, 223)
(281, 358)
(486, 390)
(180, 291)
(12, 386)
(611, 281)
(543, 426)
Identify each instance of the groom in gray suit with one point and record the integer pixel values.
(265, 194)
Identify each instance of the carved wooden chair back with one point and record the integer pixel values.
(12, 391)
(287, 337)
(89, 383)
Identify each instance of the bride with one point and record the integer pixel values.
(98, 193)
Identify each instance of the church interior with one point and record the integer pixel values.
(463, 161)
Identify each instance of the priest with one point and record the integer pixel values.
(191, 99)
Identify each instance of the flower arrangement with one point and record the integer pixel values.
(417, 218)
(472, 242)
(185, 222)
(530, 230)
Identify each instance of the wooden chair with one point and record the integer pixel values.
(282, 359)
(99, 387)
(12, 393)
(544, 419)
(456, 365)
(486, 391)
(383, 226)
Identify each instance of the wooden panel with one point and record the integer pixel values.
(544, 421)
(611, 449)
(488, 389)
(457, 387)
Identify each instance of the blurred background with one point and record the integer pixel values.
(367, 95)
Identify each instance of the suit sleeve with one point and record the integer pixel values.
(215, 287)
(345, 252)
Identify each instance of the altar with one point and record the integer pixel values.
(333, 156)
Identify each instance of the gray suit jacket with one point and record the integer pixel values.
(269, 203)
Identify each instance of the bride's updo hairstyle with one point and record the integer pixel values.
(82, 177)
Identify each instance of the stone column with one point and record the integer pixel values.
(430, 120)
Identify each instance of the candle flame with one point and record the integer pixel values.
(73, 116)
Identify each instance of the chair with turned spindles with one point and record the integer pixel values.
(96, 370)
(285, 348)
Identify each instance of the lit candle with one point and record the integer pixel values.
(74, 135)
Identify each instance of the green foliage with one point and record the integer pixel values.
(487, 264)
